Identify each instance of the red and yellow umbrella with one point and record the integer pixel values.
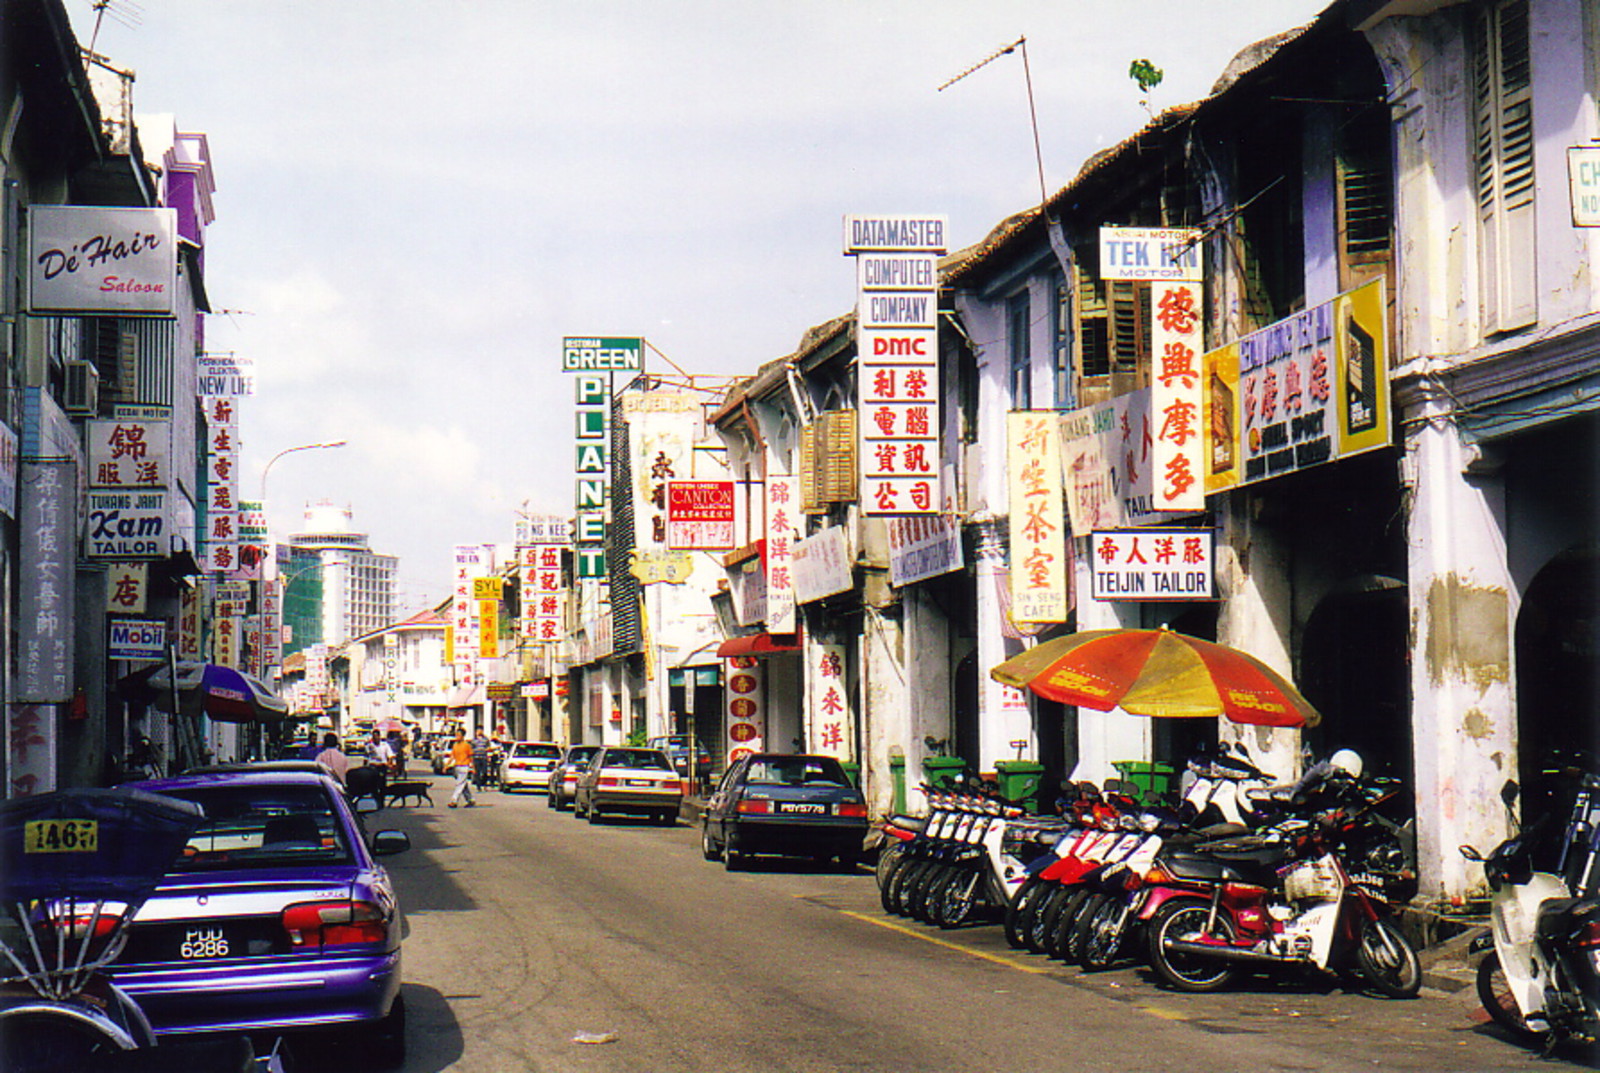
(1157, 673)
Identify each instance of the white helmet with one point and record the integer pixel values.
(1347, 761)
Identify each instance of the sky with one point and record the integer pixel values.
(416, 201)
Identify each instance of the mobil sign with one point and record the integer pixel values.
(137, 638)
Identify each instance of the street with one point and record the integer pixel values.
(540, 942)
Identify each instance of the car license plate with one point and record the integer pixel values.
(61, 836)
(203, 943)
(640, 782)
(809, 807)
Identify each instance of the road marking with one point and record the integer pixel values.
(891, 926)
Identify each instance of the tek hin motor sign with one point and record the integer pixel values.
(1150, 253)
(1151, 564)
(102, 260)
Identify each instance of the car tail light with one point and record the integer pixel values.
(850, 808)
(608, 780)
(1589, 936)
(320, 925)
(76, 924)
(755, 804)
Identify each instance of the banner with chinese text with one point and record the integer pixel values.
(1039, 546)
(828, 725)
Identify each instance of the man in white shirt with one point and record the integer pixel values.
(380, 753)
(332, 758)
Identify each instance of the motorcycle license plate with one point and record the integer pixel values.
(199, 943)
(61, 836)
(802, 806)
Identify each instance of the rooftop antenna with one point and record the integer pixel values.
(126, 12)
(1019, 45)
(1058, 241)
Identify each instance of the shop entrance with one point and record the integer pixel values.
(1558, 642)
(1354, 672)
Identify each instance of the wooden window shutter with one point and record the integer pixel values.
(1094, 338)
(1365, 176)
(1130, 324)
(1503, 163)
(838, 460)
(810, 501)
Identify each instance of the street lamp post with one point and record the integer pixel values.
(289, 451)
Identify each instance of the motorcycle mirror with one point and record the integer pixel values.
(1471, 854)
(1508, 792)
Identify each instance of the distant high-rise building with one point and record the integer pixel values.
(336, 587)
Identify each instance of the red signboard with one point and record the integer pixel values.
(700, 515)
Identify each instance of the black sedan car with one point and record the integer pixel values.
(785, 803)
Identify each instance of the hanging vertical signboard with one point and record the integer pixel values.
(746, 719)
(783, 504)
(897, 359)
(1039, 548)
(1177, 465)
(828, 726)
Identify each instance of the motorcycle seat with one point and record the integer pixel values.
(1252, 864)
(1560, 917)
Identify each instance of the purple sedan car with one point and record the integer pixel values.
(276, 917)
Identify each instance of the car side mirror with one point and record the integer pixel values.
(388, 843)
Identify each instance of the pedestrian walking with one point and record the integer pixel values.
(480, 759)
(333, 758)
(461, 762)
(380, 753)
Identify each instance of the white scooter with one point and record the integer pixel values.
(1541, 981)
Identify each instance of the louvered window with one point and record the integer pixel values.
(1503, 164)
(1366, 189)
(828, 461)
(1018, 352)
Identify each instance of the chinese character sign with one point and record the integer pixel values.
(745, 718)
(1039, 545)
(783, 511)
(49, 497)
(1177, 462)
(897, 361)
(543, 593)
(1151, 564)
(1309, 389)
(129, 454)
(830, 728)
(220, 546)
(469, 561)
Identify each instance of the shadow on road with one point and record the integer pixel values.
(433, 1040)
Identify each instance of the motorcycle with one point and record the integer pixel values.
(75, 866)
(1541, 980)
(1286, 900)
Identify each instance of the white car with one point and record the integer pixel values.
(528, 765)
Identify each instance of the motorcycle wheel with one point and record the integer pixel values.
(1386, 959)
(958, 899)
(888, 873)
(888, 860)
(708, 848)
(1078, 937)
(1016, 921)
(1185, 918)
(933, 903)
(1103, 931)
(1036, 930)
(1495, 993)
(917, 893)
(45, 1044)
(900, 884)
(1058, 940)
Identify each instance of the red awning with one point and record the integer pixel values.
(759, 644)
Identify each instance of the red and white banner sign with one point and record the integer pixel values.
(700, 515)
(1176, 393)
(783, 510)
(746, 717)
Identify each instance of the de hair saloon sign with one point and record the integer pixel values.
(102, 260)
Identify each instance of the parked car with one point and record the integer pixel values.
(676, 746)
(276, 918)
(529, 763)
(624, 779)
(784, 803)
(563, 788)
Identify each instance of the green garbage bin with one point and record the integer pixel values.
(1019, 781)
(897, 776)
(943, 772)
(852, 771)
(1154, 779)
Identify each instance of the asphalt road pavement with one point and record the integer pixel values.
(541, 942)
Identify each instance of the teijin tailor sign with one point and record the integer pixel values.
(102, 260)
(1151, 564)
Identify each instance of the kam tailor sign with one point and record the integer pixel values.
(102, 260)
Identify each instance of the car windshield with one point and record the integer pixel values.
(262, 827)
(581, 756)
(532, 749)
(797, 771)
(637, 758)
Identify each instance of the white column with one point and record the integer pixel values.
(1463, 605)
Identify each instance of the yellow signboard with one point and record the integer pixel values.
(486, 588)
